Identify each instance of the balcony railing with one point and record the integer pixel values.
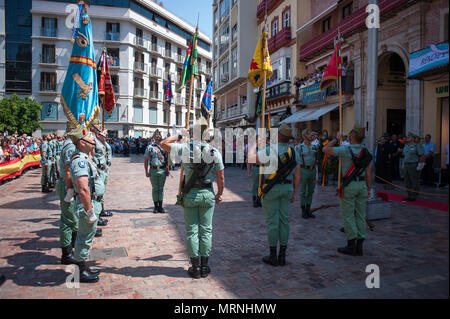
(167, 53)
(208, 71)
(167, 74)
(153, 47)
(49, 32)
(140, 67)
(140, 42)
(47, 86)
(312, 94)
(155, 95)
(112, 36)
(270, 4)
(179, 100)
(48, 59)
(140, 92)
(281, 39)
(155, 72)
(115, 62)
(202, 68)
(281, 89)
(179, 58)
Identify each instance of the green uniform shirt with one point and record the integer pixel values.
(60, 146)
(308, 157)
(216, 158)
(109, 153)
(156, 155)
(44, 149)
(347, 157)
(50, 150)
(413, 152)
(273, 156)
(100, 154)
(82, 166)
(67, 150)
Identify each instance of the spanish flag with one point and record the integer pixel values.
(260, 62)
(333, 71)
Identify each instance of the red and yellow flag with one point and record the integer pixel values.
(105, 87)
(332, 72)
(260, 62)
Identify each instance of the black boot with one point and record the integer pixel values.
(160, 208)
(105, 213)
(156, 208)
(205, 270)
(45, 189)
(272, 258)
(98, 233)
(359, 247)
(102, 222)
(304, 214)
(255, 202)
(194, 271)
(67, 256)
(350, 249)
(258, 200)
(308, 212)
(2, 279)
(74, 238)
(282, 256)
(85, 275)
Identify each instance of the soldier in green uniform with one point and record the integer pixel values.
(198, 199)
(46, 164)
(414, 162)
(277, 200)
(355, 194)
(68, 225)
(89, 189)
(308, 162)
(156, 167)
(253, 173)
(59, 144)
(52, 151)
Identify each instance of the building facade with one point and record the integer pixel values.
(234, 40)
(403, 104)
(147, 44)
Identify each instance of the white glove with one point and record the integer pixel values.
(420, 166)
(91, 216)
(69, 195)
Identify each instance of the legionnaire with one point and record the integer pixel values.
(201, 162)
(100, 159)
(413, 164)
(308, 161)
(46, 165)
(103, 158)
(53, 170)
(68, 225)
(89, 189)
(355, 188)
(156, 167)
(279, 190)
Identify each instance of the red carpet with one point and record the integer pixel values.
(419, 202)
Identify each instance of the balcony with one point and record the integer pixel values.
(179, 58)
(140, 42)
(140, 92)
(311, 94)
(270, 4)
(140, 67)
(279, 90)
(155, 95)
(167, 53)
(153, 47)
(47, 87)
(167, 74)
(348, 26)
(232, 111)
(281, 39)
(208, 71)
(155, 72)
(116, 89)
(50, 60)
(115, 62)
(112, 36)
(202, 68)
(49, 32)
(179, 100)
(223, 47)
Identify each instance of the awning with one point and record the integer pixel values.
(307, 115)
(428, 61)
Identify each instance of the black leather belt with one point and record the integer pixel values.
(202, 185)
(308, 167)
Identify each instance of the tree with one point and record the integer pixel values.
(21, 115)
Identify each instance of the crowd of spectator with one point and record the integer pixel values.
(316, 76)
(17, 146)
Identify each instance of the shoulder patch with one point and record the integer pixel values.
(82, 164)
(70, 153)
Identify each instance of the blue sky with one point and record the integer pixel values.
(188, 11)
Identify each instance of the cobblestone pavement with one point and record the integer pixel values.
(142, 255)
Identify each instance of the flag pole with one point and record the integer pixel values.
(341, 126)
(263, 107)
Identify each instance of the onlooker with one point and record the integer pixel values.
(382, 160)
(396, 147)
(428, 172)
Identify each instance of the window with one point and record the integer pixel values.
(153, 111)
(444, 36)
(274, 27)
(234, 63)
(114, 116)
(287, 19)
(178, 114)
(137, 114)
(49, 27)
(165, 116)
(224, 37)
(48, 54)
(326, 24)
(234, 33)
(48, 81)
(224, 9)
(216, 20)
(224, 75)
(112, 31)
(347, 10)
(139, 33)
(288, 68)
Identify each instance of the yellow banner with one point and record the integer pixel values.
(260, 62)
(16, 166)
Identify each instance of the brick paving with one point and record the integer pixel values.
(144, 255)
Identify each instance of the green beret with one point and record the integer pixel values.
(285, 130)
(359, 131)
(95, 122)
(78, 133)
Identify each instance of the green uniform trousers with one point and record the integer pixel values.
(86, 231)
(57, 162)
(158, 179)
(276, 205)
(104, 177)
(198, 212)
(307, 186)
(69, 221)
(353, 208)
(255, 180)
(46, 170)
(412, 179)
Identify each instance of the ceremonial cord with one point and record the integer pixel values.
(410, 190)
